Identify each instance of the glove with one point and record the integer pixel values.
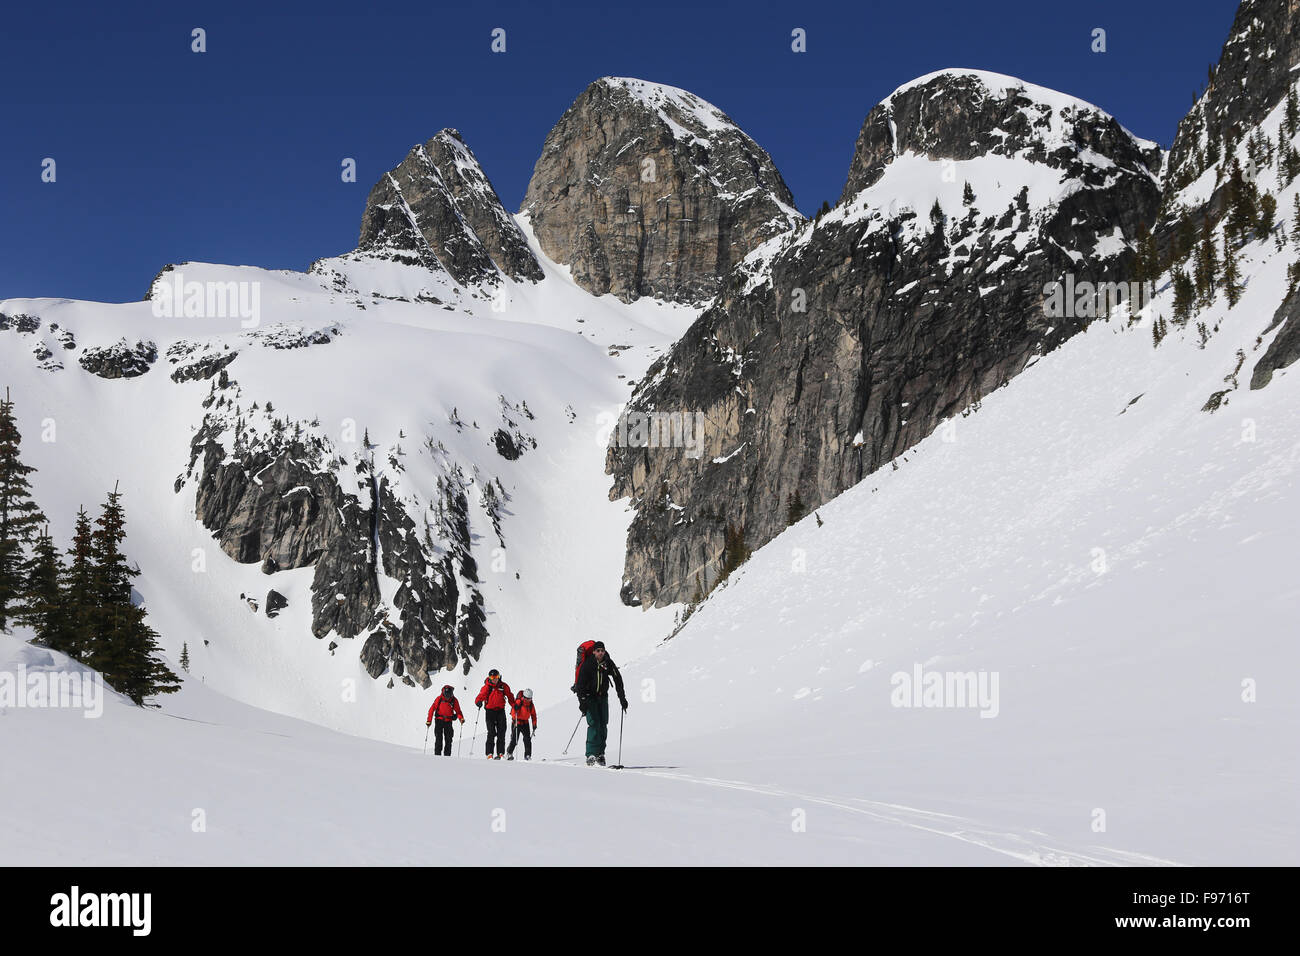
(478, 704)
(428, 723)
(462, 721)
(623, 702)
(582, 707)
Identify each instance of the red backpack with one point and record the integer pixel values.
(583, 650)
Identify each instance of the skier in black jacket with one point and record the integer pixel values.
(594, 678)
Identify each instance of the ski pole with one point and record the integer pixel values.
(572, 735)
(475, 737)
(426, 740)
(619, 765)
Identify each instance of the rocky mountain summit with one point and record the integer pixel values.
(438, 209)
(648, 190)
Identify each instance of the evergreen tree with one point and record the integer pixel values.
(1255, 149)
(1292, 121)
(1206, 263)
(794, 509)
(1290, 164)
(1184, 296)
(734, 553)
(1267, 213)
(1243, 213)
(1158, 331)
(77, 587)
(936, 215)
(1292, 277)
(43, 601)
(19, 516)
(1141, 265)
(1231, 280)
(185, 657)
(967, 194)
(123, 645)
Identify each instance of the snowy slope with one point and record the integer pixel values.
(1121, 559)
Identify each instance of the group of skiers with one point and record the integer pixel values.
(492, 699)
(593, 674)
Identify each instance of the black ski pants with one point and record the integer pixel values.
(442, 734)
(496, 731)
(525, 731)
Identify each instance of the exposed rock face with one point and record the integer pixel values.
(647, 190)
(276, 494)
(438, 209)
(275, 503)
(120, 360)
(831, 351)
(1284, 349)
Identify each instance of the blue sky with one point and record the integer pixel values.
(233, 155)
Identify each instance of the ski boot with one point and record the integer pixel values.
(510, 756)
(600, 761)
(591, 761)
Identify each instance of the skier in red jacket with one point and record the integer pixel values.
(495, 693)
(445, 709)
(523, 712)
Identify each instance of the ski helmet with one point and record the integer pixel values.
(494, 674)
(528, 692)
(447, 690)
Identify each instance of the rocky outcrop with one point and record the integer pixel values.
(438, 209)
(278, 493)
(275, 501)
(194, 361)
(832, 351)
(1285, 348)
(19, 323)
(275, 603)
(119, 360)
(647, 190)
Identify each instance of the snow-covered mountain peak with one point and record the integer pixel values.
(961, 114)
